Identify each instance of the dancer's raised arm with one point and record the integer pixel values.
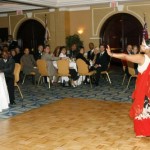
(138, 58)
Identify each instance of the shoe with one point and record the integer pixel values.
(12, 103)
(73, 84)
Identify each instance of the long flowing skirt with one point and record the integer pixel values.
(142, 121)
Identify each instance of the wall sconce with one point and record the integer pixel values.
(80, 31)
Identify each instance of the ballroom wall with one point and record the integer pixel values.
(68, 21)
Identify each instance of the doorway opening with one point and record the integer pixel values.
(31, 34)
(120, 30)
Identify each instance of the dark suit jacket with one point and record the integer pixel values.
(72, 54)
(12, 45)
(80, 56)
(90, 55)
(103, 60)
(37, 55)
(17, 58)
(7, 67)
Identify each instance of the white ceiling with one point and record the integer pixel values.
(14, 5)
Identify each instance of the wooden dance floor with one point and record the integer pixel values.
(72, 124)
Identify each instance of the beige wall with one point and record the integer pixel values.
(81, 20)
(63, 23)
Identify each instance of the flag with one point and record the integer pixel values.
(145, 31)
(113, 4)
(19, 12)
(46, 38)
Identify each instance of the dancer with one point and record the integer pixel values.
(140, 110)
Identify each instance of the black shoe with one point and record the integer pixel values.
(12, 103)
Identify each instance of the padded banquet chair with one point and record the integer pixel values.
(63, 68)
(106, 72)
(83, 69)
(17, 75)
(131, 72)
(42, 67)
(25, 75)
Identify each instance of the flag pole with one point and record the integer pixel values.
(46, 31)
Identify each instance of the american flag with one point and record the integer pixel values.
(46, 38)
(145, 31)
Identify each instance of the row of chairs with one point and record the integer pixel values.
(63, 70)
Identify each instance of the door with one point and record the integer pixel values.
(31, 34)
(120, 30)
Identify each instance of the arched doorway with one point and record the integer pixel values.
(30, 34)
(120, 30)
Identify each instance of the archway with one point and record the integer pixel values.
(120, 30)
(30, 34)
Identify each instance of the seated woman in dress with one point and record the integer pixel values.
(49, 58)
(80, 55)
(72, 71)
(29, 64)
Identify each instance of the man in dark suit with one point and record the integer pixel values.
(11, 43)
(7, 66)
(101, 63)
(39, 52)
(90, 53)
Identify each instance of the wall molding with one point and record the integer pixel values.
(101, 21)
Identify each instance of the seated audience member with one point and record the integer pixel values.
(49, 58)
(56, 51)
(135, 50)
(129, 52)
(7, 66)
(72, 53)
(81, 56)
(29, 64)
(39, 52)
(62, 52)
(90, 53)
(95, 53)
(72, 71)
(11, 42)
(13, 54)
(18, 55)
(129, 49)
(101, 63)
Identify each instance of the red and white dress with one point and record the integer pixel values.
(140, 110)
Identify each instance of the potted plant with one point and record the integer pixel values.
(73, 39)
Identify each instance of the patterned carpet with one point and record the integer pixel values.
(36, 96)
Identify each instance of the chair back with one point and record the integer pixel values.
(124, 65)
(82, 67)
(17, 72)
(42, 67)
(63, 67)
(131, 68)
(109, 64)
